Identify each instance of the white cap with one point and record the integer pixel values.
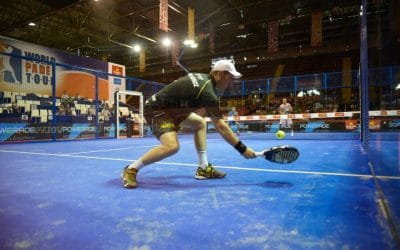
(226, 65)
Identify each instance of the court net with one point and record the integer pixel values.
(330, 125)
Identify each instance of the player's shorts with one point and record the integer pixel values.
(161, 122)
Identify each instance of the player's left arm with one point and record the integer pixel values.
(225, 131)
(211, 102)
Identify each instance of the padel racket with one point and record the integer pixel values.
(280, 154)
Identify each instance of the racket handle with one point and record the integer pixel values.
(259, 154)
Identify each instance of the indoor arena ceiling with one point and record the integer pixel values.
(108, 29)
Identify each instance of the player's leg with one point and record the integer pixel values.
(199, 125)
(164, 129)
(237, 129)
(234, 127)
(281, 124)
(169, 145)
(290, 126)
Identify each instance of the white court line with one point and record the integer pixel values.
(67, 155)
(225, 167)
(131, 147)
(112, 149)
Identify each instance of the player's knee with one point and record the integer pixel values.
(201, 124)
(171, 149)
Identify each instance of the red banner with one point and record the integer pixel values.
(164, 15)
(116, 70)
(316, 29)
(273, 36)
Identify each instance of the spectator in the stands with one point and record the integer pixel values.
(15, 108)
(106, 112)
(64, 96)
(92, 111)
(64, 109)
(61, 109)
(77, 97)
(66, 99)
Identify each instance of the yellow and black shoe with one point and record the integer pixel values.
(129, 177)
(208, 173)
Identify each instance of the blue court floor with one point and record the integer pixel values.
(68, 195)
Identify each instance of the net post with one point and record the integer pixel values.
(54, 100)
(141, 116)
(96, 104)
(116, 112)
(364, 122)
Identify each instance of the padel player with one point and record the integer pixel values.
(284, 109)
(174, 106)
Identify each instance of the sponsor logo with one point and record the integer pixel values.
(394, 124)
(10, 67)
(314, 125)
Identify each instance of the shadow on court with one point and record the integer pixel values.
(175, 183)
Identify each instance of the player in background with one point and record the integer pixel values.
(284, 109)
(174, 106)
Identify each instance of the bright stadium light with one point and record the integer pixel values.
(32, 24)
(136, 48)
(398, 86)
(167, 42)
(188, 42)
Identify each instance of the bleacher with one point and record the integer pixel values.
(38, 108)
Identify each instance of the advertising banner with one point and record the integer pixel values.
(116, 83)
(30, 76)
(26, 74)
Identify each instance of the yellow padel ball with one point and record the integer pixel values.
(280, 134)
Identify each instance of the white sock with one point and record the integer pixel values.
(203, 162)
(137, 164)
